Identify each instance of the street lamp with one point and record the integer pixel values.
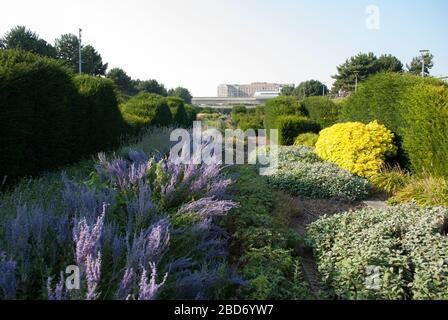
(80, 51)
(423, 52)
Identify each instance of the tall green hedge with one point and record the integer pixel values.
(321, 110)
(383, 97)
(177, 107)
(289, 127)
(425, 137)
(191, 114)
(147, 109)
(36, 100)
(49, 118)
(281, 106)
(97, 118)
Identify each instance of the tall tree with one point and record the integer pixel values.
(92, 62)
(151, 86)
(310, 88)
(364, 65)
(2, 44)
(415, 67)
(122, 81)
(287, 91)
(25, 39)
(182, 93)
(67, 48)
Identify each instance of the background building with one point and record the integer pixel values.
(248, 90)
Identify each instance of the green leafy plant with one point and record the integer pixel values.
(306, 140)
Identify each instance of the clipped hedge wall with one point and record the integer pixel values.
(147, 109)
(281, 106)
(49, 118)
(321, 110)
(289, 127)
(425, 137)
(177, 108)
(97, 118)
(383, 97)
(36, 101)
(398, 253)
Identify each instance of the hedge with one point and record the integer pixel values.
(191, 114)
(177, 107)
(322, 110)
(289, 127)
(49, 118)
(281, 106)
(147, 109)
(97, 118)
(425, 137)
(382, 97)
(36, 101)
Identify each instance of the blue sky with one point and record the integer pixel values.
(200, 44)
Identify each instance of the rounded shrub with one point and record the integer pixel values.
(148, 109)
(192, 113)
(425, 136)
(281, 106)
(322, 110)
(306, 140)
(97, 117)
(289, 127)
(36, 101)
(179, 114)
(359, 148)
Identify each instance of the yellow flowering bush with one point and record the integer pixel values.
(359, 148)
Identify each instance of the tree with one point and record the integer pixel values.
(310, 88)
(287, 91)
(181, 93)
(122, 80)
(151, 86)
(389, 63)
(2, 44)
(92, 62)
(416, 64)
(25, 39)
(363, 66)
(67, 48)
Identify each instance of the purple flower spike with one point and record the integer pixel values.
(148, 291)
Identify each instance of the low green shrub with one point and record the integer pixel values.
(281, 106)
(321, 110)
(289, 127)
(147, 109)
(425, 191)
(302, 173)
(306, 140)
(192, 113)
(390, 179)
(398, 253)
(179, 114)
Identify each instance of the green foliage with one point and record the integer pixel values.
(25, 39)
(92, 62)
(302, 173)
(416, 67)
(36, 96)
(321, 110)
(280, 106)
(261, 245)
(287, 91)
(365, 65)
(425, 191)
(97, 118)
(306, 140)
(289, 127)
(390, 180)
(425, 136)
(182, 93)
(177, 107)
(310, 88)
(151, 86)
(147, 109)
(245, 119)
(192, 113)
(123, 82)
(398, 253)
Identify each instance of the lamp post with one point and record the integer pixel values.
(80, 51)
(423, 52)
(356, 80)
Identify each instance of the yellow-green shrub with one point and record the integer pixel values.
(306, 139)
(359, 148)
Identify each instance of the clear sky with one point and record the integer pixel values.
(200, 44)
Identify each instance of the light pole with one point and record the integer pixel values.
(356, 80)
(423, 52)
(323, 89)
(80, 51)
